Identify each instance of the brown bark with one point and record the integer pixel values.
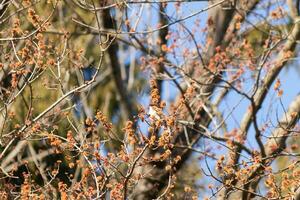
(125, 100)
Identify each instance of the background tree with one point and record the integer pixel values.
(77, 80)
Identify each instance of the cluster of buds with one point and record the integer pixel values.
(130, 133)
(155, 109)
(103, 119)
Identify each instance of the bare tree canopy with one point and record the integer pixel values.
(149, 99)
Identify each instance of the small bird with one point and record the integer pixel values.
(156, 115)
(154, 112)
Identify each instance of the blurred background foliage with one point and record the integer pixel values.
(81, 56)
(71, 54)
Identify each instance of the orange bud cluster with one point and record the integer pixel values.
(103, 119)
(129, 131)
(71, 140)
(16, 30)
(141, 113)
(164, 139)
(154, 94)
(33, 17)
(116, 192)
(25, 188)
(62, 187)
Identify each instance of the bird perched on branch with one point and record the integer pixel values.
(155, 112)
